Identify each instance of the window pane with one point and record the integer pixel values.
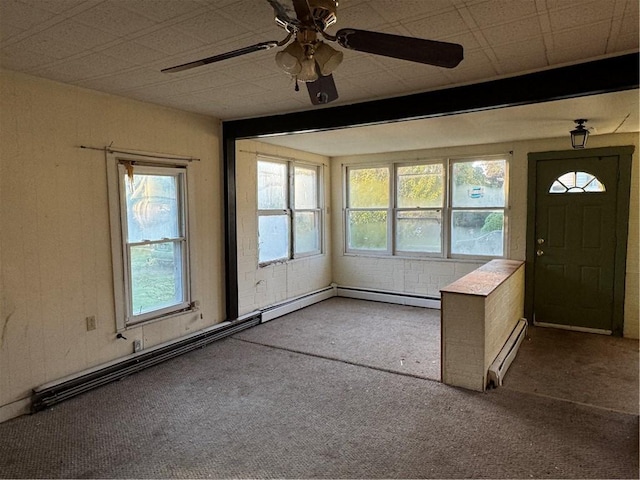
(152, 207)
(478, 184)
(420, 186)
(368, 188)
(477, 232)
(367, 230)
(576, 182)
(306, 187)
(272, 185)
(419, 231)
(156, 276)
(273, 237)
(306, 232)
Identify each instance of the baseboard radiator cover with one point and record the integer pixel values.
(53, 393)
(503, 361)
(389, 297)
(288, 306)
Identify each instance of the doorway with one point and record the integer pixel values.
(576, 238)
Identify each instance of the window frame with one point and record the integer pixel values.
(447, 209)
(290, 209)
(442, 209)
(452, 209)
(389, 210)
(121, 247)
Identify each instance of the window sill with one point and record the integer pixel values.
(188, 311)
(423, 258)
(291, 260)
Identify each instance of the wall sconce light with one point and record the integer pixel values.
(579, 135)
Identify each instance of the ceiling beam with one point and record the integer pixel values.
(606, 75)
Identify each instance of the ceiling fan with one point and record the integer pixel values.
(310, 60)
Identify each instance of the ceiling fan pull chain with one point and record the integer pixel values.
(297, 87)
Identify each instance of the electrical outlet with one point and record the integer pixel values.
(91, 323)
(137, 345)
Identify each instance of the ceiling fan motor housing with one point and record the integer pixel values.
(323, 12)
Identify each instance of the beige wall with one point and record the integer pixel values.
(55, 252)
(427, 277)
(259, 287)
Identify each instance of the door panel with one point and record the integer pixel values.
(575, 242)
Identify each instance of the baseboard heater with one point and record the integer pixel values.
(288, 306)
(389, 297)
(501, 364)
(51, 394)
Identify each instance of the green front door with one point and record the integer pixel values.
(575, 242)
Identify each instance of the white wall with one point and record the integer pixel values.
(55, 252)
(259, 287)
(427, 277)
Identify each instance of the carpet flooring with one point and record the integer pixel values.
(240, 408)
(394, 338)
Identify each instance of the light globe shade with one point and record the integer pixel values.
(328, 58)
(289, 59)
(308, 72)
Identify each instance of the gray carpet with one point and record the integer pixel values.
(237, 409)
(394, 338)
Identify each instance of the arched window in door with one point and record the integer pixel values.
(577, 182)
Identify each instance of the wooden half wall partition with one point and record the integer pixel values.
(479, 312)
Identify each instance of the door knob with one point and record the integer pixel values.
(539, 252)
(540, 241)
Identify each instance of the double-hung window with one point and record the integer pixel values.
(440, 208)
(419, 212)
(152, 278)
(478, 207)
(289, 210)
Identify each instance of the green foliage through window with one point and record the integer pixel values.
(416, 212)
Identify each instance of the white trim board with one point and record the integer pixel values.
(571, 327)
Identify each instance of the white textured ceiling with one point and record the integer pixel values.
(120, 46)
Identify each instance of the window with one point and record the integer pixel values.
(576, 182)
(478, 207)
(444, 208)
(152, 267)
(289, 213)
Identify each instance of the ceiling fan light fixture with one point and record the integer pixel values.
(308, 73)
(579, 135)
(290, 58)
(327, 58)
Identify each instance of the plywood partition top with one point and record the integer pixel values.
(485, 279)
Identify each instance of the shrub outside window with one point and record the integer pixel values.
(289, 213)
(444, 208)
